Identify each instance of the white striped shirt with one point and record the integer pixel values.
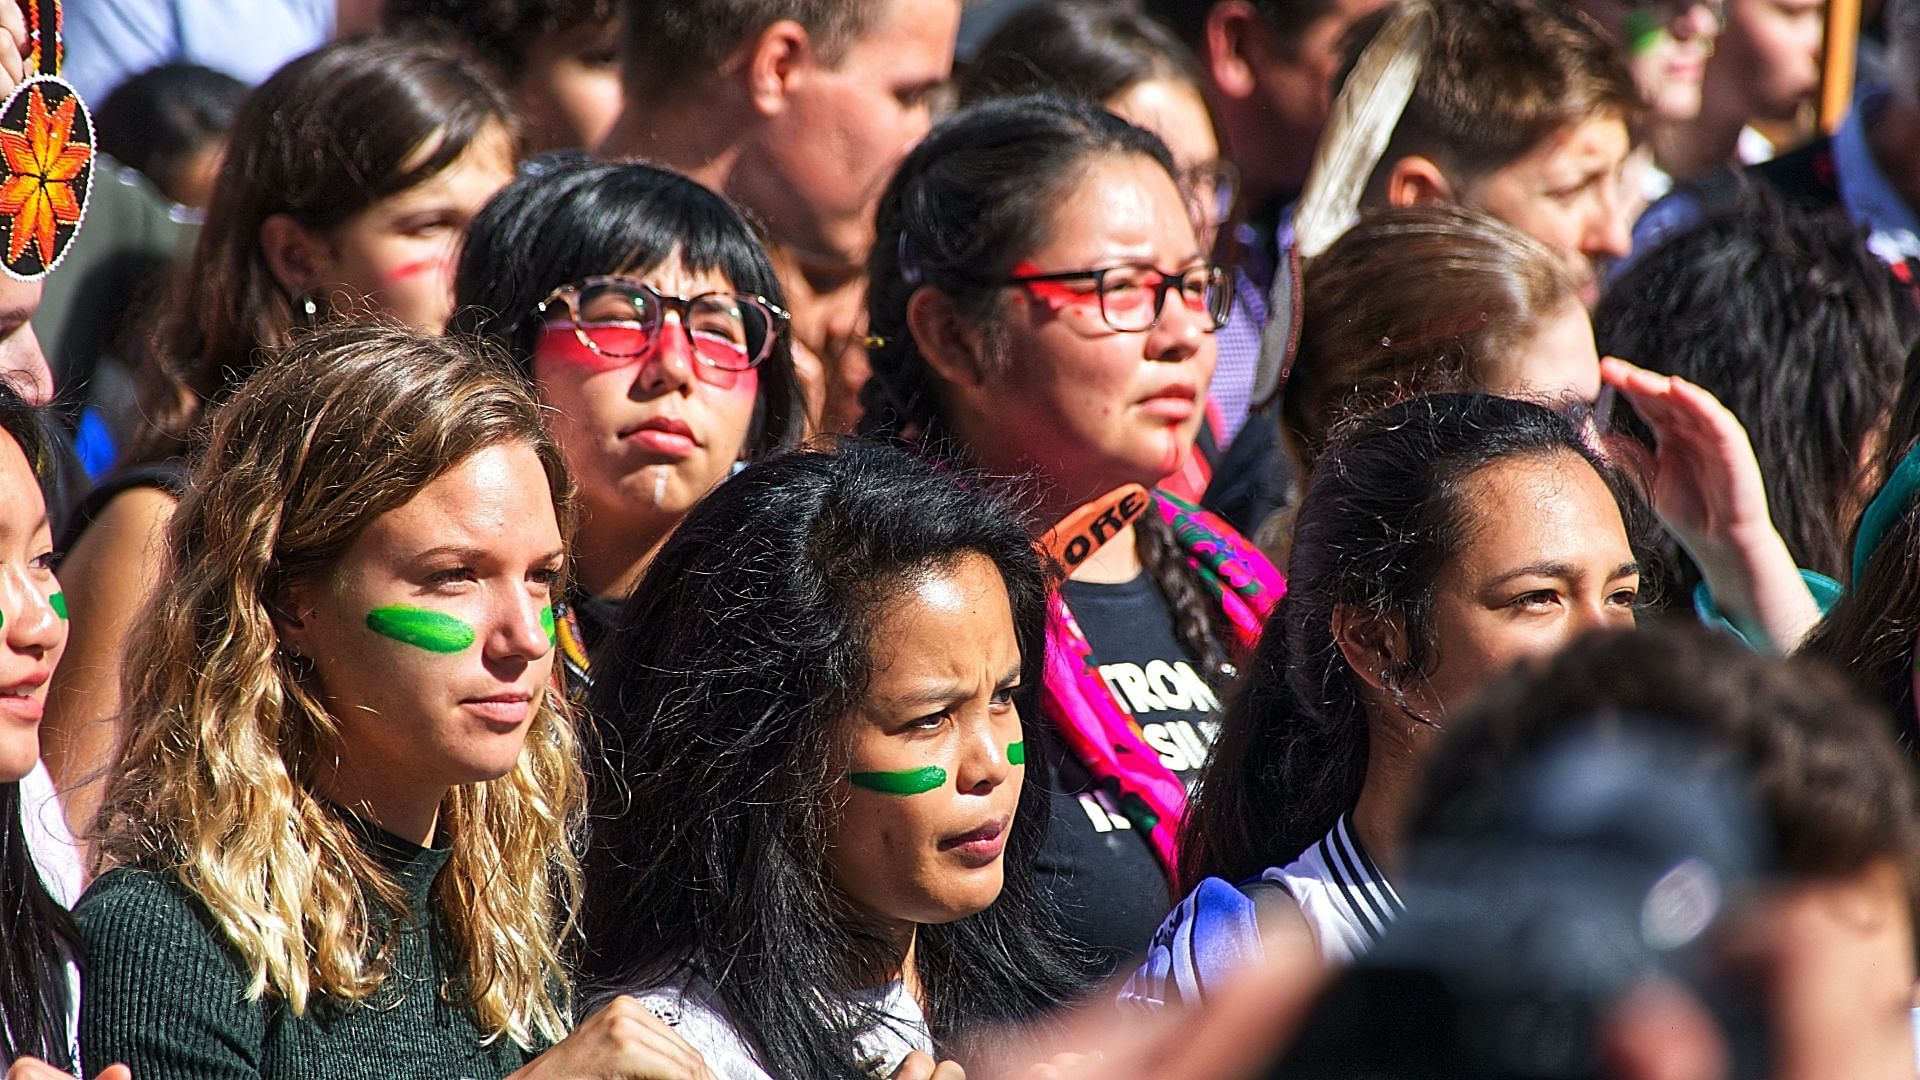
(1343, 895)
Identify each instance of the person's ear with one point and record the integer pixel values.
(774, 58)
(291, 611)
(1229, 38)
(949, 344)
(1415, 180)
(1372, 644)
(299, 258)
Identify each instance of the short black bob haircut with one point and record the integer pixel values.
(720, 702)
(567, 217)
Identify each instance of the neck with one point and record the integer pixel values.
(1893, 137)
(1710, 141)
(1115, 563)
(1393, 772)
(609, 562)
(692, 142)
(828, 305)
(410, 814)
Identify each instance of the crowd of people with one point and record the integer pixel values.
(1069, 540)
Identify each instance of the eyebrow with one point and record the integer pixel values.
(947, 692)
(470, 553)
(1561, 570)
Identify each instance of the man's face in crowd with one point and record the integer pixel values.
(847, 126)
(1565, 193)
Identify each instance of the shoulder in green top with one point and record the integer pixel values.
(166, 993)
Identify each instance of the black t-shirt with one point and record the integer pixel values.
(1103, 875)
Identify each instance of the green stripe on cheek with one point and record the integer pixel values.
(1016, 753)
(546, 622)
(906, 782)
(59, 602)
(429, 630)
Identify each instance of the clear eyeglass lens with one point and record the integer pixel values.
(729, 332)
(1128, 294)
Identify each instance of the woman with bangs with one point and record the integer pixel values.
(340, 840)
(647, 316)
(351, 173)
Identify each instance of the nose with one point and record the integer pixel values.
(1178, 332)
(523, 628)
(1606, 233)
(1696, 20)
(987, 760)
(668, 366)
(33, 626)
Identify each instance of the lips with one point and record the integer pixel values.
(18, 700)
(664, 435)
(502, 712)
(981, 846)
(1173, 404)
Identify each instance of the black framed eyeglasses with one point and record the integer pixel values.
(1132, 296)
(621, 317)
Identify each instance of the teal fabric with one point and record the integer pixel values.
(1826, 593)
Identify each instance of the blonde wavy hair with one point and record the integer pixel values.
(216, 781)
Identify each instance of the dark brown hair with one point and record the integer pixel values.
(1501, 76)
(325, 137)
(668, 48)
(1827, 777)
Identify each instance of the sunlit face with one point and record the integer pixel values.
(847, 126)
(33, 620)
(398, 255)
(1834, 958)
(1546, 560)
(1566, 192)
(1173, 109)
(569, 86)
(22, 363)
(1091, 407)
(430, 640)
(1558, 363)
(1769, 56)
(644, 438)
(935, 758)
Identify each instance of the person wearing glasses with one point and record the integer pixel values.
(1041, 305)
(649, 319)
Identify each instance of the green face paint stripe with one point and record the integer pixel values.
(428, 630)
(1641, 30)
(546, 623)
(59, 602)
(1016, 753)
(906, 782)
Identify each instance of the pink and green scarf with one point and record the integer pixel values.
(1098, 729)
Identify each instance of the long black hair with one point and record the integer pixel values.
(1380, 521)
(1870, 633)
(1786, 317)
(34, 993)
(967, 204)
(721, 698)
(566, 217)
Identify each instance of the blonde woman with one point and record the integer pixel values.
(339, 842)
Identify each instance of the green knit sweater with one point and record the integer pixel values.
(166, 992)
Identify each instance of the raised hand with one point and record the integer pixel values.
(1705, 484)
